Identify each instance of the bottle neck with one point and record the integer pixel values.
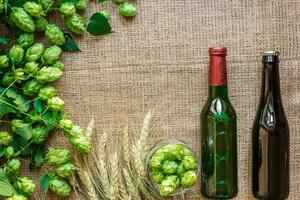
(218, 76)
(218, 91)
(270, 78)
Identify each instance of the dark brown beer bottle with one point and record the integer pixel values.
(270, 169)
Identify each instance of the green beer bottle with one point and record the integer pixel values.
(218, 134)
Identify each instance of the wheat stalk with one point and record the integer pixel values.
(131, 187)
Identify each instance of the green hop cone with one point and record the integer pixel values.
(81, 143)
(25, 185)
(189, 162)
(56, 103)
(76, 24)
(67, 9)
(9, 152)
(33, 9)
(17, 197)
(19, 75)
(16, 54)
(75, 131)
(18, 124)
(188, 179)
(14, 76)
(55, 34)
(25, 40)
(4, 62)
(156, 161)
(5, 138)
(40, 24)
(168, 186)
(105, 14)
(58, 65)
(34, 53)
(58, 157)
(32, 87)
(51, 54)
(47, 92)
(180, 170)
(48, 74)
(31, 68)
(127, 10)
(157, 176)
(22, 20)
(2, 6)
(65, 170)
(13, 168)
(65, 125)
(46, 5)
(81, 5)
(39, 134)
(8, 79)
(169, 167)
(60, 187)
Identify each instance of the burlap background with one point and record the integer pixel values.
(159, 61)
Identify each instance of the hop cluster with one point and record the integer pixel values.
(64, 169)
(77, 138)
(32, 16)
(27, 72)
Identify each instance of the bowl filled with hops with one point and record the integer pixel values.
(172, 167)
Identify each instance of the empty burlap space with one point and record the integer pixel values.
(159, 61)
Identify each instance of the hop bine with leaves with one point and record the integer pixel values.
(29, 105)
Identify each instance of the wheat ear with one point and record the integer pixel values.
(138, 159)
(85, 178)
(143, 139)
(126, 146)
(113, 175)
(131, 187)
(90, 128)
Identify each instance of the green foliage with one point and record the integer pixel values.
(37, 156)
(70, 44)
(99, 25)
(6, 189)
(45, 182)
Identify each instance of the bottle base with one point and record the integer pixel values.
(219, 196)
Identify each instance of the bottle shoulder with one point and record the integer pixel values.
(217, 106)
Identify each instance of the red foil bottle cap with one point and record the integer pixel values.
(217, 66)
(218, 51)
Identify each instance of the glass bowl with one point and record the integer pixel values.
(159, 145)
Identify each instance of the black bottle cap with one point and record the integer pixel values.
(270, 57)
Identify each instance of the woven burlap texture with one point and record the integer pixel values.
(159, 61)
